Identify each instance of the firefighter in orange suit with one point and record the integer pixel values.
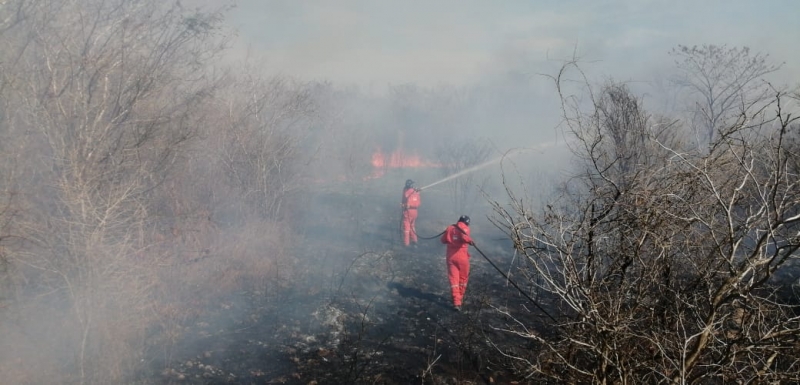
(410, 204)
(457, 239)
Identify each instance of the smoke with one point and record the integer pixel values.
(288, 191)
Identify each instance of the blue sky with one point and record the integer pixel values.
(377, 42)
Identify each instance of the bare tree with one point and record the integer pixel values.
(658, 262)
(725, 81)
(101, 97)
(258, 139)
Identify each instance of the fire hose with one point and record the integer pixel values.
(487, 260)
(433, 237)
(513, 283)
(415, 230)
(509, 280)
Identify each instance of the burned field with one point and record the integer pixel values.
(182, 206)
(361, 309)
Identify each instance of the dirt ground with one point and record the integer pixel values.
(361, 308)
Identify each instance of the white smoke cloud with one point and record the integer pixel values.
(458, 42)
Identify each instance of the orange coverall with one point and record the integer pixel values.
(410, 203)
(457, 239)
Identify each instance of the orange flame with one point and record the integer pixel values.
(397, 159)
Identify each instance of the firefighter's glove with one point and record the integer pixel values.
(417, 189)
(472, 243)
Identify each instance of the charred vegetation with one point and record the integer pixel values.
(169, 218)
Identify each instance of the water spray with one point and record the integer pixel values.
(475, 168)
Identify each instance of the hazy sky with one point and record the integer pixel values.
(375, 42)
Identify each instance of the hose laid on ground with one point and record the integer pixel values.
(499, 271)
(413, 229)
(495, 267)
(514, 284)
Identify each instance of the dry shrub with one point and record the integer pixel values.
(208, 270)
(111, 111)
(233, 259)
(87, 331)
(657, 261)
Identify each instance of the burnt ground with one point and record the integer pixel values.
(361, 308)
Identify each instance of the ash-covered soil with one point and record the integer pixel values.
(362, 309)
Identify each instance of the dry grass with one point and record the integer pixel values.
(136, 307)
